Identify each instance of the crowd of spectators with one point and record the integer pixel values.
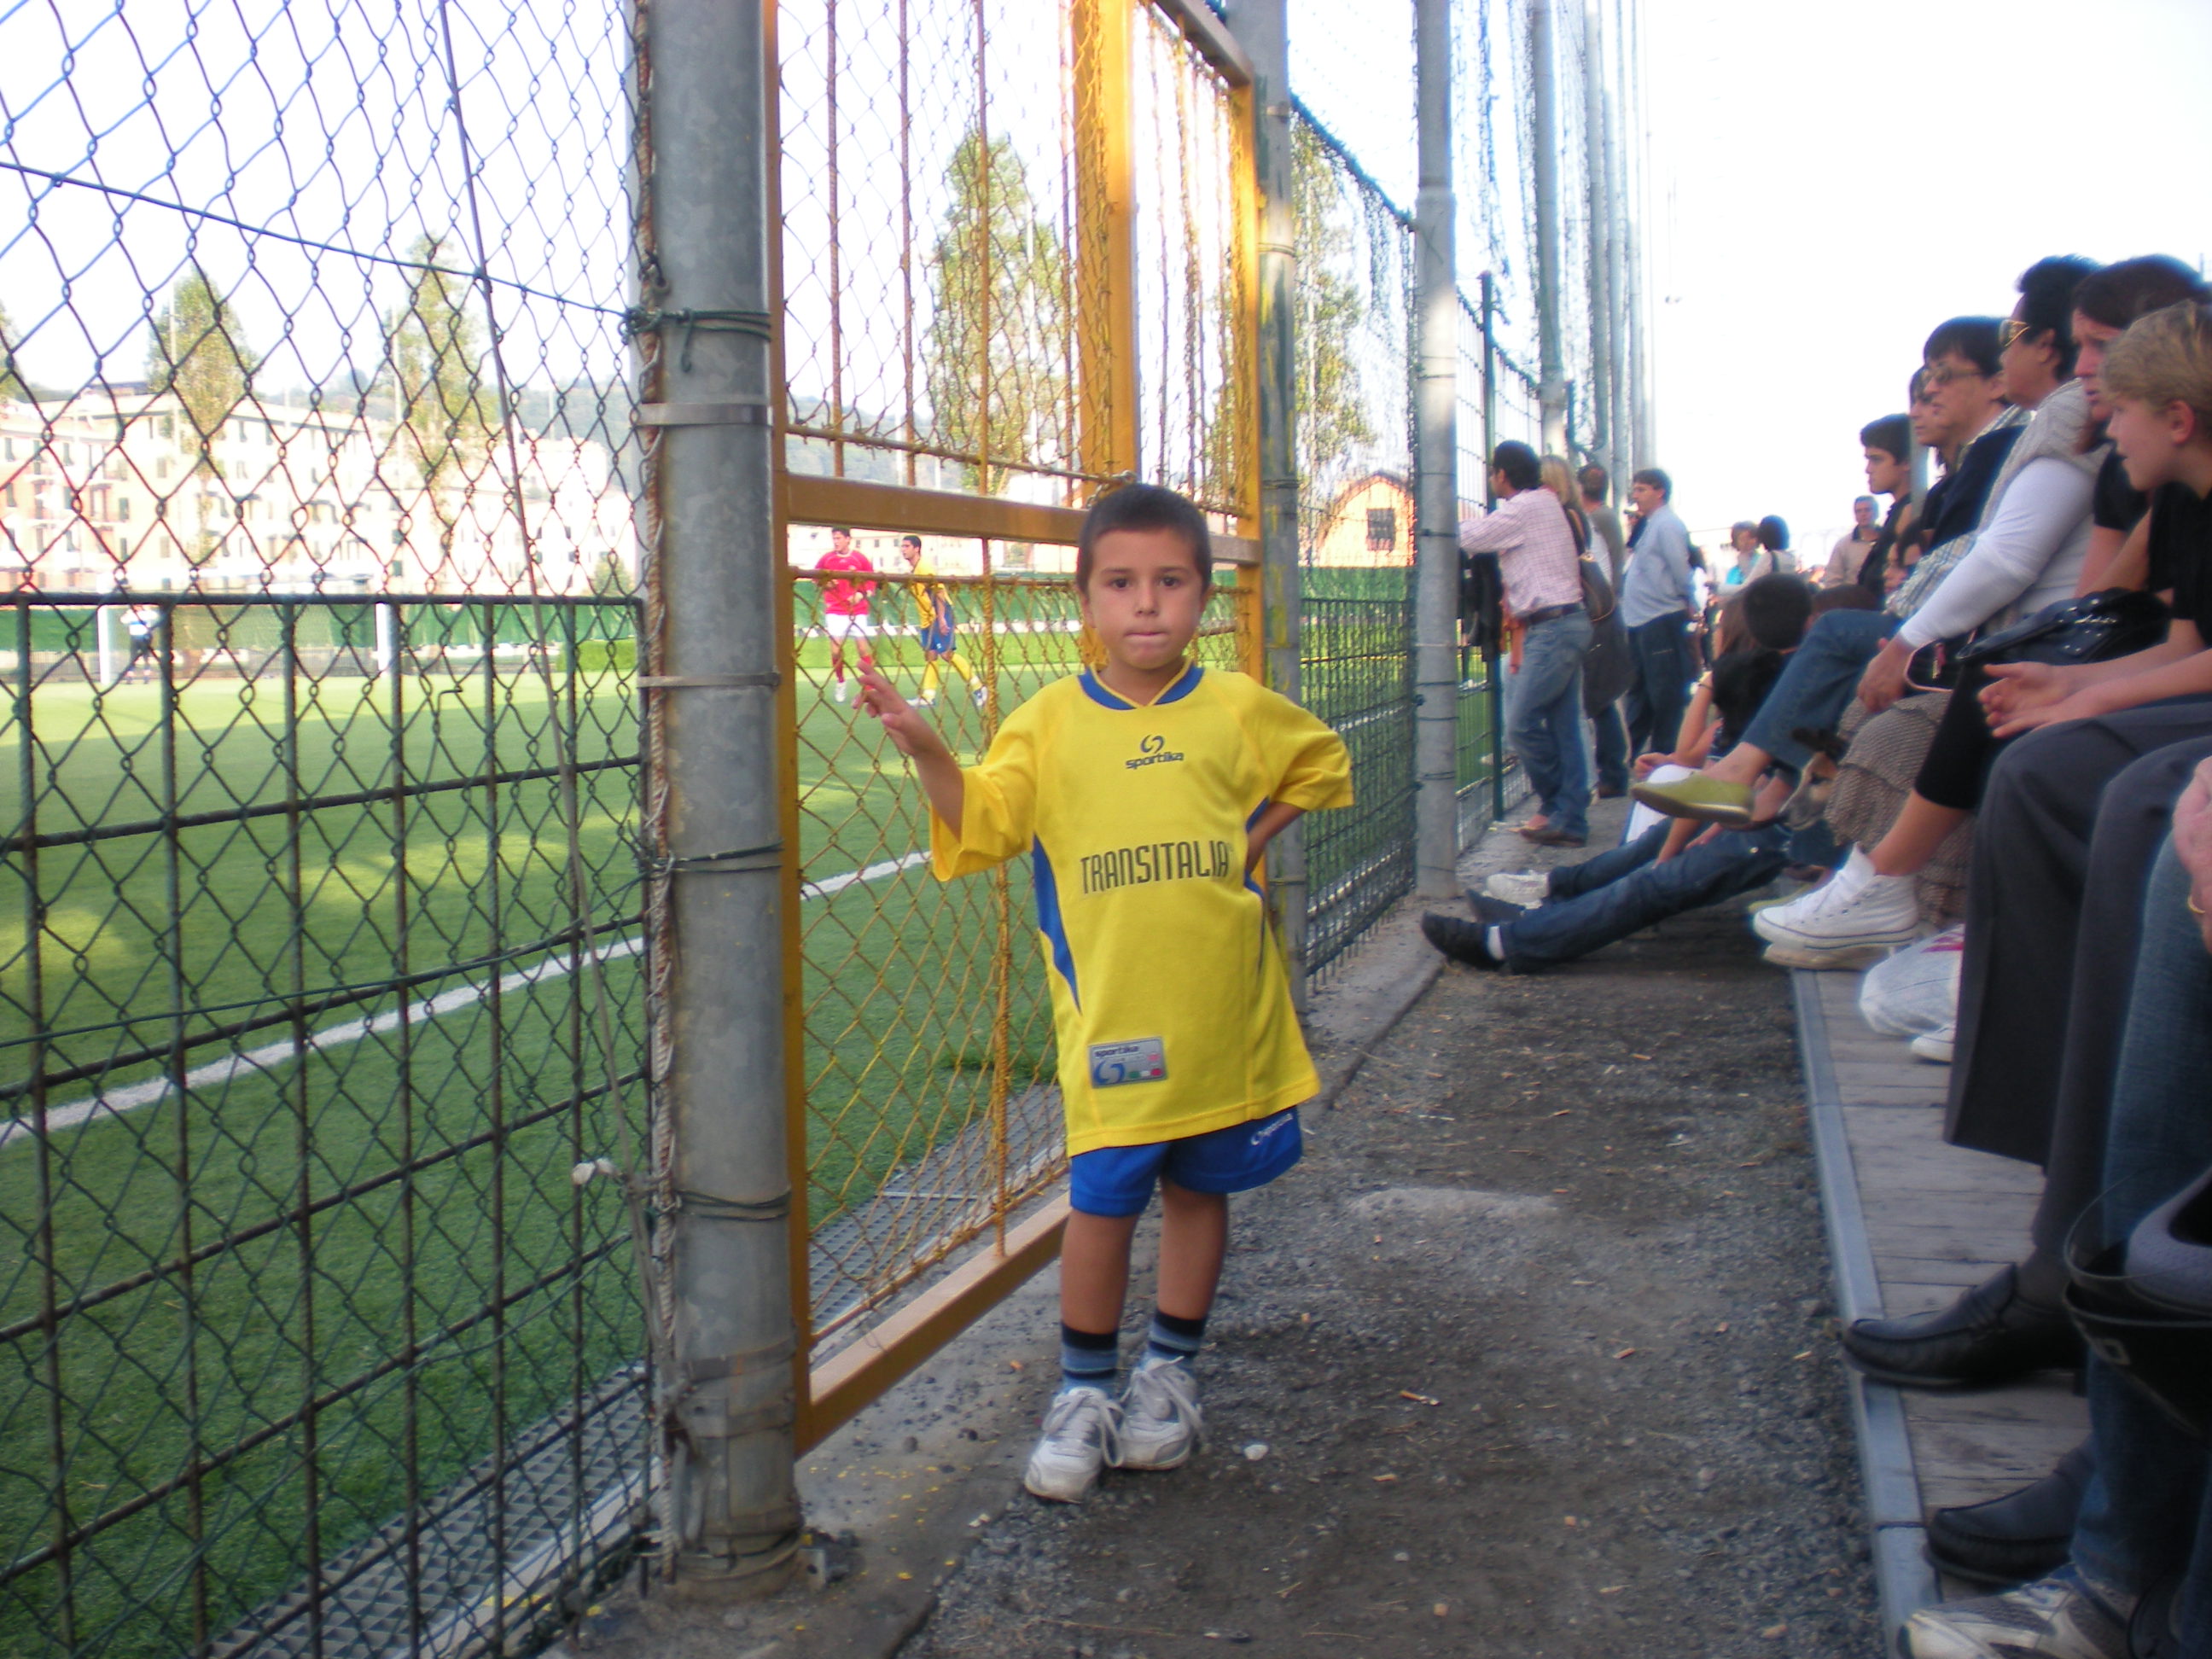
(1979, 738)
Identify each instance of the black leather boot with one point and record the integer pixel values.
(2013, 1539)
(1989, 1335)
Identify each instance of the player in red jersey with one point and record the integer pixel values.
(844, 602)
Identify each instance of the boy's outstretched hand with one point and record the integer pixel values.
(910, 734)
(917, 740)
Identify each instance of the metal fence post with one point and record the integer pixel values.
(1436, 427)
(706, 81)
(1262, 28)
(1544, 167)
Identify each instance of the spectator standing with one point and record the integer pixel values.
(1540, 565)
(1751, 563)
(1608, 729)
(1604, 522)
(1774, 539)
(1658, 602)
(1850, 552)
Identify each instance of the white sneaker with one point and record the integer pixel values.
(1857, 909)
(1855, 874)
(1160, 1419)
(1824, 958)
(2054, 1618)
(841, 690)
(1936, 1046)
(1526, 888)
(926, 700)
(980, 692)
(1082, 1435)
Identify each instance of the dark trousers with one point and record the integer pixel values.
(1609, 734)
(2069, 825)
(1624, 891)
(1659, 693)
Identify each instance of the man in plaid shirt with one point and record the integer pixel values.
(1539, 564)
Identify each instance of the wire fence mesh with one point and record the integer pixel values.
(327, 963)
(316, 827)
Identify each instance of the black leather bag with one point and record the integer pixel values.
(2114, 622)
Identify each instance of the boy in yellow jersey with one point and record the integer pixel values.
(932, 610)
(1144, 794)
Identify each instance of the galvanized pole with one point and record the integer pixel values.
(1262, 28)
(1436, 496)
(1624, 440)
(1600, 241)
(1631, 42)
(1551, 388)
(735, 1510)
(1493, 676)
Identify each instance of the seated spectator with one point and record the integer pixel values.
(1587, 906)
(1967, 421)
(2145, 1521)
(2040, 528)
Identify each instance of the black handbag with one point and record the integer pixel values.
(2114, 622)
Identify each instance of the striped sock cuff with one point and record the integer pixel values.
(1171, 1338)
(1088, 1358)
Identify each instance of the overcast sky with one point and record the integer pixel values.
(1830, 181)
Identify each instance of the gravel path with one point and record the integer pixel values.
(1536, 1344)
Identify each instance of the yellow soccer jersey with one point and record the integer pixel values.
(929, 597)
(1170, 1001)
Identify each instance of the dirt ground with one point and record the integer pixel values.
(1531, 1356)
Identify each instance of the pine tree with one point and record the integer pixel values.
(1332, 419)
(998, 277)
(198, 351)
(436, 351)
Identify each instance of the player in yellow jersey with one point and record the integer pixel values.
(1144, 793)
(932, 610)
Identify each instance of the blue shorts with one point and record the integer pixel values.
(1118, 1181)
(938, 642)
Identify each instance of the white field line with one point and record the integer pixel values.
(217, 1072)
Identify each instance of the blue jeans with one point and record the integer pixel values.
(1659, 695)
(1624, 891)
(1611, 735)
(1544, 722)
(1817, 682)
(2147, 1512)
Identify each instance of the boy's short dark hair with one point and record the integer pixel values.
(1657, 479)
(1593, 481)
(1776, 609)
(1143, 507)
(1891, 435)
(1518, 462)
(1974, 339)
(909, 540)
(840, 530)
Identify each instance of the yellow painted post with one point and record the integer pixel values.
(1105, 212)
(1244, 365)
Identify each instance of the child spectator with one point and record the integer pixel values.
(1145, 793)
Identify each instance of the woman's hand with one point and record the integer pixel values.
(2083, 704)
(1883, 682)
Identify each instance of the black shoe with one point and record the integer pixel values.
(1989, 1335)
(2023, 1535)
(1493, 912)
(1611, 791)
(1462, 941)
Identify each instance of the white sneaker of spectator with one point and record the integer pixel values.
(1082, 1435)
(1860, 909)
(1936, 1046)
(1526, 888)
(2056, 1618)
(1161, 1421)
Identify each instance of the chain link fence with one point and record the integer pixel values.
(317, 973)
(326, 814)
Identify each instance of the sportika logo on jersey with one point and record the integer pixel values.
(1154, 860)
(1154, 752)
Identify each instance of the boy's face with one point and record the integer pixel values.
(1145, 598)
(1885, 475)
(840, 542)
(912, 549)
(2150, 440)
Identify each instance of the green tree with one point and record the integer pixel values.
(997, 278)
(436, 350)
(11, 383)
(198, 351)
(1332, 419)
